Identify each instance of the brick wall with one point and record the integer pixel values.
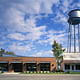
(51, 60)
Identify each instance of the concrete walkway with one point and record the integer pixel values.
(39, 77)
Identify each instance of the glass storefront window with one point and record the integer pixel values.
(77, 66)
(67, 66)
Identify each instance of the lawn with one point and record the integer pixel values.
(74, 72)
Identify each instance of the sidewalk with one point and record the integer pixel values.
(11, 73)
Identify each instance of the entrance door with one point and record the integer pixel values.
(17, 67)
(73, 67)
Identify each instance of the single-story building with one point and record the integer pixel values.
(71, 61)
(14, 63)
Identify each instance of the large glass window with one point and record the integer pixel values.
(44, 66)
(17, 67)
(72, 67)
(31, 66)
(3, 66)
(67, 66)
(77, 66)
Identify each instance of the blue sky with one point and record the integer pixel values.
(29, 27)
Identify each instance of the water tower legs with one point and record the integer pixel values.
(73, 39)
(70, 36)
(78, 38)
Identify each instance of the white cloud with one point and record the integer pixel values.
(2, 42)
(43, 41)
(33, 35)
(59, 36)
(36, 33)
(16, 36)
(43, 53)
(20, 49)
(76, 5)
(14, 10)
(46, 6)
(66, 4)
(60, 18)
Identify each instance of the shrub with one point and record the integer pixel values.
(68, 71)
(59, 71)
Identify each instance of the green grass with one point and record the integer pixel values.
(74, 72)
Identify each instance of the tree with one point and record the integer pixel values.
(2, 51)
(11, 53)
(57, 52)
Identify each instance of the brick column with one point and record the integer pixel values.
(10, 67)
(52, 66)
(23, 67)
(38, 67)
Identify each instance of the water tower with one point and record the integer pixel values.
(74, 31)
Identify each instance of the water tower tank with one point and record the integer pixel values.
(74, 17)
(74, 31)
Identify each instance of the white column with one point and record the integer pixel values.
(70, 67)
(74, 67)
(63, 67)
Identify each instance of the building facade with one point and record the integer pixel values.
(71, 61)
(15, 63)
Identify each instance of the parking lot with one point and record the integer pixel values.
(39, 77)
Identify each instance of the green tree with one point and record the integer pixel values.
(57, 52)
(2, 51)
(11, 53)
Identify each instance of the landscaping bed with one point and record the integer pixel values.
(50, 73)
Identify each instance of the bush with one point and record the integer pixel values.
(2, 71)
(68, 71)
(59, 71)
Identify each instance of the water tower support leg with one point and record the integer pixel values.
(74, 40)
(68, 39)
(79, 38)
(70, 35)
(68, 47)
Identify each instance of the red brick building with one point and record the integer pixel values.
(23, 64)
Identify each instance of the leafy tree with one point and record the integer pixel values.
(11, 53)
(57, 52)
(2, 51)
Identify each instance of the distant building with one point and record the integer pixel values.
(14, 63)
(71, 61)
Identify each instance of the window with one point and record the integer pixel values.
(44, 66)
(4, 66)
(31, 66)
(67, 67)
(72, 67)
(77, 66)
